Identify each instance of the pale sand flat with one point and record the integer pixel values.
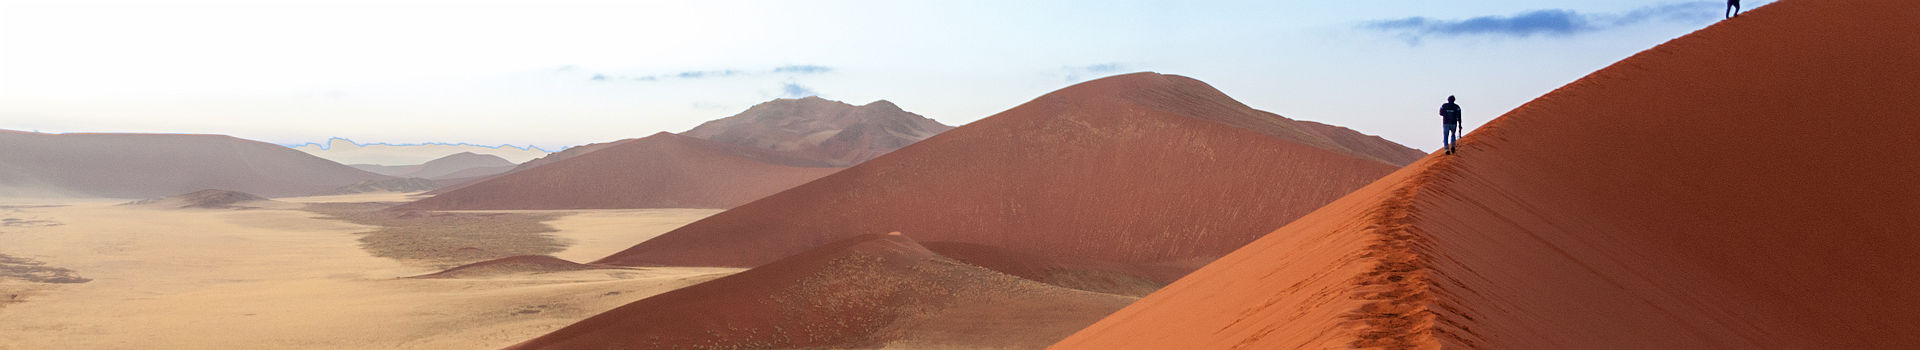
(287, 279)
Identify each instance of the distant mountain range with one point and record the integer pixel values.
(346, 151)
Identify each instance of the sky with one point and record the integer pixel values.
(559, 73)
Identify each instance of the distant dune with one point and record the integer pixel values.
(660, 171)
(1747, 186)
(1156, 174)
(457, 165)
(832, 132)
(154, 165)
(862, 291)
(463, 164)
(514, 265)
(348, 152)
(453, 182)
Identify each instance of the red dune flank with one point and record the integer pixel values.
(863, 291)
(1139, 169)
(1750, 185)
(660, 171)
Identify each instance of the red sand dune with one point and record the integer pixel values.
(865, 290)
(1747, 186)
(659, 171)
(521, 264)
(154, 165)
(1137, 169)
(833, 132)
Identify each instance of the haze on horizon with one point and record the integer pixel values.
(562, 73)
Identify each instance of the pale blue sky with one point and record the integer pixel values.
(494, 72)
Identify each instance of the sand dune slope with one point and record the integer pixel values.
(868, 290)
(660, 171)
(1139, 169)
(1746, 186)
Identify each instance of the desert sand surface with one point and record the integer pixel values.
(589, 233)
(278, 278)
(1747, 186)
(596, 233)
(1160, 172)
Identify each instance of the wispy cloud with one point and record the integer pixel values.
(1551, 22)
(787, 70)
(795, 90)
(707, 74)
(802, 69)
(1078, 73)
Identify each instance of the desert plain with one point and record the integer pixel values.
(294, 279)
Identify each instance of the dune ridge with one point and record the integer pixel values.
(1727, 206)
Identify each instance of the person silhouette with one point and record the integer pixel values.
(1450, 124)
(1733, 9)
